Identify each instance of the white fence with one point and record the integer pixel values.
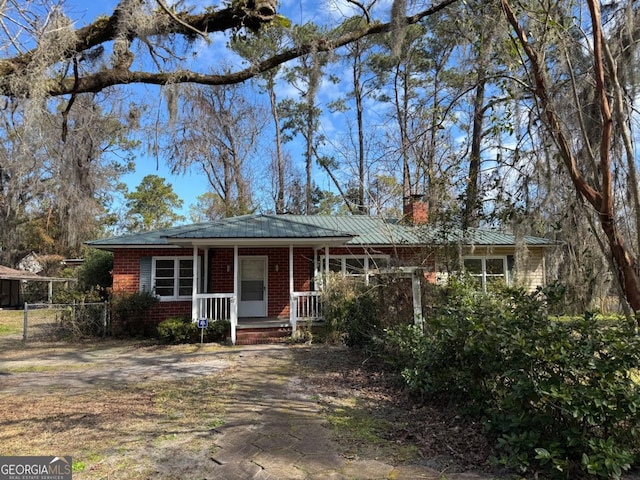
(55, 321)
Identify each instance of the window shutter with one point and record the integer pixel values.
(145, 274)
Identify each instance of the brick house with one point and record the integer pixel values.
(266, 271)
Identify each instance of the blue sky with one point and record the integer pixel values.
(191, 184)
(187, 186)
(333, 127)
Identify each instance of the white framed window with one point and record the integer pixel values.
(172, 277)
(489, 270)
(353, 265)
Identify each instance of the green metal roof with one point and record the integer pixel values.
(348, 230)
(261, 226)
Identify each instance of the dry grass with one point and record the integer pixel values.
(107, 428)
(143, 426)
(11, 322)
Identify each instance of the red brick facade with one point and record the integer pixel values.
(126, 272)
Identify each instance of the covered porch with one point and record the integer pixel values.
(305, 307)
(266, 289)
(256, 269)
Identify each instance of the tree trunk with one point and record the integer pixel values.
(472, 200)
(601, 198)
(357, 92)
(279, 158)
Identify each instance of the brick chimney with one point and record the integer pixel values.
(415, 210)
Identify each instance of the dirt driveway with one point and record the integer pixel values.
(133, 411)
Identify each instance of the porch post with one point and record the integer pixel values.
(326, 266)
(234, 300)
(418, 320)
(293, 307)
(205, 279)
(194, 287)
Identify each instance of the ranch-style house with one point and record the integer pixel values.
(266, 271)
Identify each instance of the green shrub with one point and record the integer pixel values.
(95, 272)
(128, 313)
(183, 330)
(558, 397)
(178, 330)
(217, 331)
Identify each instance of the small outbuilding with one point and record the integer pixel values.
(11, 282)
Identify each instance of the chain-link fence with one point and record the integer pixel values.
(46, 321)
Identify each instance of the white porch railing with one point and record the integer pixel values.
(305, 306)
(218, 306)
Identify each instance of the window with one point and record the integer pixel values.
(172, 277)
(352, 265)
(488, 270)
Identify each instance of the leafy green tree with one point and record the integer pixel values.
(209, 206)
(152, 205)
(95, 272)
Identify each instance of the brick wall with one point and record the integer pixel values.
(221, 273)
(126, 273)
(126, 278)
(126, 265)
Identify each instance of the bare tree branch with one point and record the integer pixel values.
(177, 19)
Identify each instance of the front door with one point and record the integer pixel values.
(253, 287)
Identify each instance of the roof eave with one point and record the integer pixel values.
(132, 246)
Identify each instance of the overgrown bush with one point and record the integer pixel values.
(183, 330)
(128, 313)
(95, 272)
(558, 397)
(80, 320)
(73, 295)
(358, 314)
(350, 311)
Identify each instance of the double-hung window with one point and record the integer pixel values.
(172, 277)
(488, 270)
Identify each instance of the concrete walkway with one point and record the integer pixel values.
(274, 430)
